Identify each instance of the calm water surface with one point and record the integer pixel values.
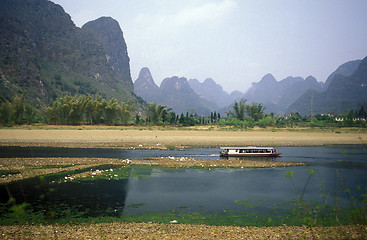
(153, 189)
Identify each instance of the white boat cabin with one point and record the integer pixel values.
(248, 151)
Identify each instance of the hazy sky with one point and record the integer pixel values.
(235, 42)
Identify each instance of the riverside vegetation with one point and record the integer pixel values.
(76, 110)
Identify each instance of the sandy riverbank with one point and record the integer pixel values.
(178, 231)
(87, 137)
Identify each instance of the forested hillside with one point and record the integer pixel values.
(45, 55)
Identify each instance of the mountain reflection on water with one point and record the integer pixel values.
(154, 189)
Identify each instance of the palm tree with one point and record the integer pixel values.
(239, 109)
(156, 113)
(256, 111)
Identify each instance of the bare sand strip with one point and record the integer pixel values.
(177, 231)
(214, 163)
(134, 138)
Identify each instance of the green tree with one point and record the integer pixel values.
(29, 114)
(90, 110)
(95, 110)
(239, 109)
(362, 113)
(349, 118)
(12, 112)
(5, 112)
(112, 111)
(17, 109)
(67, 110)
(156, 113)
(126, 113)
(77, 106)
(256, 111)
(172, 119)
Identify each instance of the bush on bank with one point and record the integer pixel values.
(77, 110)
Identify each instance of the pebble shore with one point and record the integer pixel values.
(177, 231)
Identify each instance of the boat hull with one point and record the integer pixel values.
(249, 155)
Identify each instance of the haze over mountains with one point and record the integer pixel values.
(345, 92)
(278, 95)
(343, 89)
(43, 53)
(173, 92)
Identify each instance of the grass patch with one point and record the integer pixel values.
(120, 173)
(8, 172)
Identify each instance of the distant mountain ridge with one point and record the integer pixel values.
(213, 92)
(43, 53)
(345, 69)
(174, 92)
(277, 96)
(344, 93)
(292, 94)
(341, 92)
(145, 87)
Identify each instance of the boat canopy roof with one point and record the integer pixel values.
(247, 148)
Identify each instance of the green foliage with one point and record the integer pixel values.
(16, 112)
(314, 214)
(17, 210)
(317, 123)
(255, 111)
(188, 120)
(289, 174)
(239, 110)
(76, 110)
(266, 122)
(158, 113)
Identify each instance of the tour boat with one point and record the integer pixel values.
(248, 152)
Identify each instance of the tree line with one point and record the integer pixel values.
(76, 110)
(17, 112)
(84, 109)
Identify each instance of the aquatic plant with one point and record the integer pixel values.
(314, 213)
